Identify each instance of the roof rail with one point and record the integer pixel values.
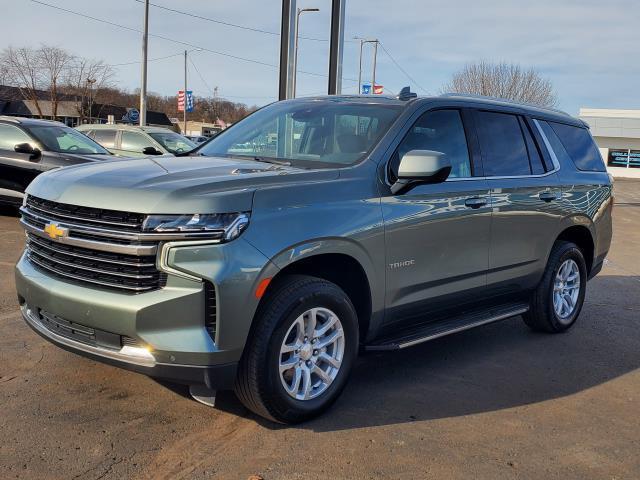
(7, 118)
(406, 94)
(506, 100)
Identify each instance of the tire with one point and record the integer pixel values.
(261, 386)
(543, 315)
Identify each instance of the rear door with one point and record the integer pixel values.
(437, 235)
(106, 137)
(525, 199)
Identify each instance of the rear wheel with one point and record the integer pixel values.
(558, 300)
(301, 350)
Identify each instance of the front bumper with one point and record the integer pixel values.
(216, 377)
(168, 322)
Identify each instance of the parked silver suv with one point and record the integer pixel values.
(310, 230)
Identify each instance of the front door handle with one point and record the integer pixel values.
(548, 196)
(475, 202)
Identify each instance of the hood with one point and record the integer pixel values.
(168, 184)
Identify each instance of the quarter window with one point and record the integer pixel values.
(11, 136)
(441, 131)
(106, 138)
(580, 147)
(504, 151)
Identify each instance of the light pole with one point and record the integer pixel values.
(373, 72)
(184, 97)
(295, 48)
(143, 87)
(90, 82)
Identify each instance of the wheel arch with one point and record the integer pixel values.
(579, 230)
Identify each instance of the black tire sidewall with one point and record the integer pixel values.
(570, 252)
(332, 298)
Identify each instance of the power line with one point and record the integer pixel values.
(229, 24)
(180, 42)
(149, 60)
(402, 69)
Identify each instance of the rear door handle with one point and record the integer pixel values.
(475, 202)
(548, 196)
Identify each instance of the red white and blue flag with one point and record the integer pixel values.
(181, 101)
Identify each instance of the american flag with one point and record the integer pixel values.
(181, 101)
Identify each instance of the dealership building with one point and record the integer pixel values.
(617, 133)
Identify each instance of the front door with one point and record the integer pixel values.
(437, 235)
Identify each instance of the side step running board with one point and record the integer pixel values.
(424, 333)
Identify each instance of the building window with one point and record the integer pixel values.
(624, 158)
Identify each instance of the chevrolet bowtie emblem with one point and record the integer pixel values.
(54, 231)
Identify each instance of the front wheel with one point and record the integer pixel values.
(558, 299)
(301, 350)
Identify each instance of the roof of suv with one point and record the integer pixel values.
(28, 121)
(549, 113)
(121, 126)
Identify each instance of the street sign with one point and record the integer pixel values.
(132, 115)
(181, 101)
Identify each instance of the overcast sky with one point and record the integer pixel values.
(589, 49)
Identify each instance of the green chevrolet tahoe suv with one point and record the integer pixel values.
(310, 231)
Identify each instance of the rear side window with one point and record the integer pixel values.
(504, 151)
(535, 159)
(106, 138)
(580, 147)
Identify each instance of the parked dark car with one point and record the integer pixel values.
(29, 147)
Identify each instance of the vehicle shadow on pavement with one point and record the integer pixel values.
(496, 367)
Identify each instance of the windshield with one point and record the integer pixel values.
(314, 133)
(173, 142)
(59, 138)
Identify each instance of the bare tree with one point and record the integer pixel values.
(503, 80)
(86, 79)
(22, 70)
(54, 62)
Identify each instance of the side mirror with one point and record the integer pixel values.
(27, 149)
(151, 151)
(421, 166)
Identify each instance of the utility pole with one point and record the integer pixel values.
(184, 98)
(143, 87)
(336, 47)
(90, 82)
(375, 53)
(295, 48)
(373, 73)
(359, 88)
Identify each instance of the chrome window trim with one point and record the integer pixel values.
(547, 144)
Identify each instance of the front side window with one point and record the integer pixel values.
(11, 136)
(134, 142)
(173, 142)
(62, 139)
(504, 152)
(440, 131)
(313, 134)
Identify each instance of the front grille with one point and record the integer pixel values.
(131, 273)
(92, 217)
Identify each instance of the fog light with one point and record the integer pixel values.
(137, 352)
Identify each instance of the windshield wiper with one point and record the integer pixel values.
(275, 161)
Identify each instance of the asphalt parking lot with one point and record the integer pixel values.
(495, 402)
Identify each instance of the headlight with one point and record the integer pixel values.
(226, 226)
